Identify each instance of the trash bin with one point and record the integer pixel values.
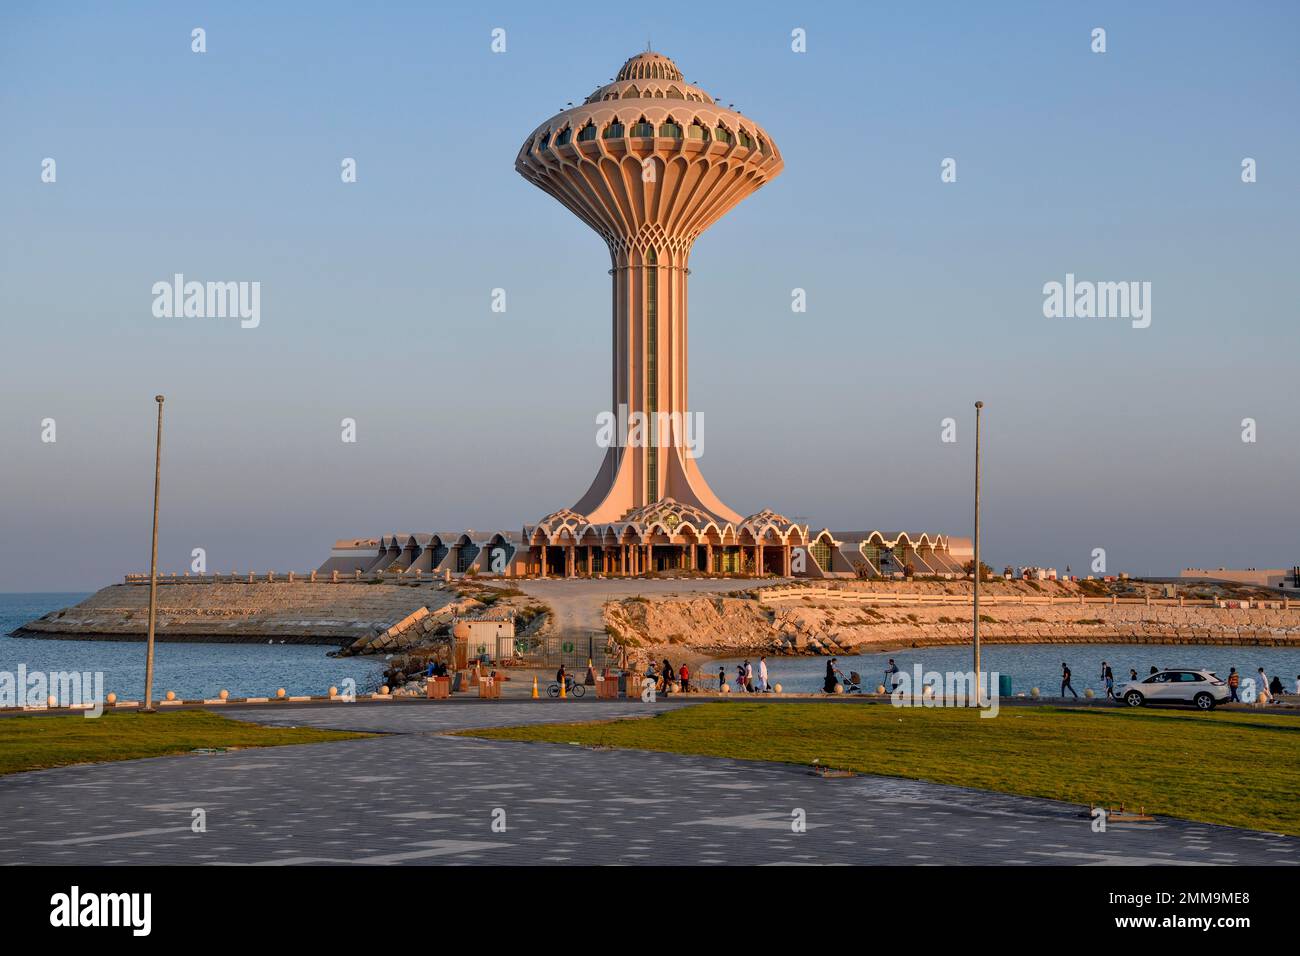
(1004, 685)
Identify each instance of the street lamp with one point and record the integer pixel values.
(153, 566)
(978, 407)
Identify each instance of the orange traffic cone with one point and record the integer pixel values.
(535, 694)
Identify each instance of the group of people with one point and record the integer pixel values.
(668, 679)
(747, 679)
(1267, 689)
(1107, 679)
(835, 677)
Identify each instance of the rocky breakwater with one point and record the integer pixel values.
(297, 612)
(421, 626)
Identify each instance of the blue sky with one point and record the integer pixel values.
(922, 296)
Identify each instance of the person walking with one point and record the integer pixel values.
(831, 672)
(749, 676)
(762, 674)
(1065, 681)
(669, 677)
(684, 675)
(890, 681)
(740, 676)
(1234, 679)
(1264, 695)
(722, 678)
(1109, 677)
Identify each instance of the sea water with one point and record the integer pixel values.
(192, 670)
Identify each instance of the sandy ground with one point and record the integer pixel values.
(577, 602)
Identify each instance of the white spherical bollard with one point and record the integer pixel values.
(111, 698)
(776, 688)
(334, 691)
(880, 688)
(1033, 692)
(839, 688)
(725, 689)
(1088, 693)
(51, 701)
(383, 690)
(280, 693)
(171, 695)
(224, 694)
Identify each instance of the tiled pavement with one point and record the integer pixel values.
(418, 797)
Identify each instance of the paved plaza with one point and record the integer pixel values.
(418, 796)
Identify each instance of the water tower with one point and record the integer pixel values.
(649, 162)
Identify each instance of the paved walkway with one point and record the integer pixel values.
(418, 797)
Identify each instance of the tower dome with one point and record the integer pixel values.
(649, 66)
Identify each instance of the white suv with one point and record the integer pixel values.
(1177, 686)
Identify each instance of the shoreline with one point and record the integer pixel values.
(172, 637)
(902, 645)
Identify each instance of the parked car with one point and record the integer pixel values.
(1183, 685)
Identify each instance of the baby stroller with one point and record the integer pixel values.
(854, 684)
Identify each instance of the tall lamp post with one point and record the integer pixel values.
(978, 407)
(153, 566)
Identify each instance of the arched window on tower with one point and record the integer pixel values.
(670, 128)
(614, 130)
(566, 134)
(587, 133)
(722, 134)
(697, 131)
(642, 128)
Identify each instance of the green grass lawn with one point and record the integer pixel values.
(34, 743)
(1232, 768)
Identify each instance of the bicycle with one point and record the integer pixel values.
(572, 688)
